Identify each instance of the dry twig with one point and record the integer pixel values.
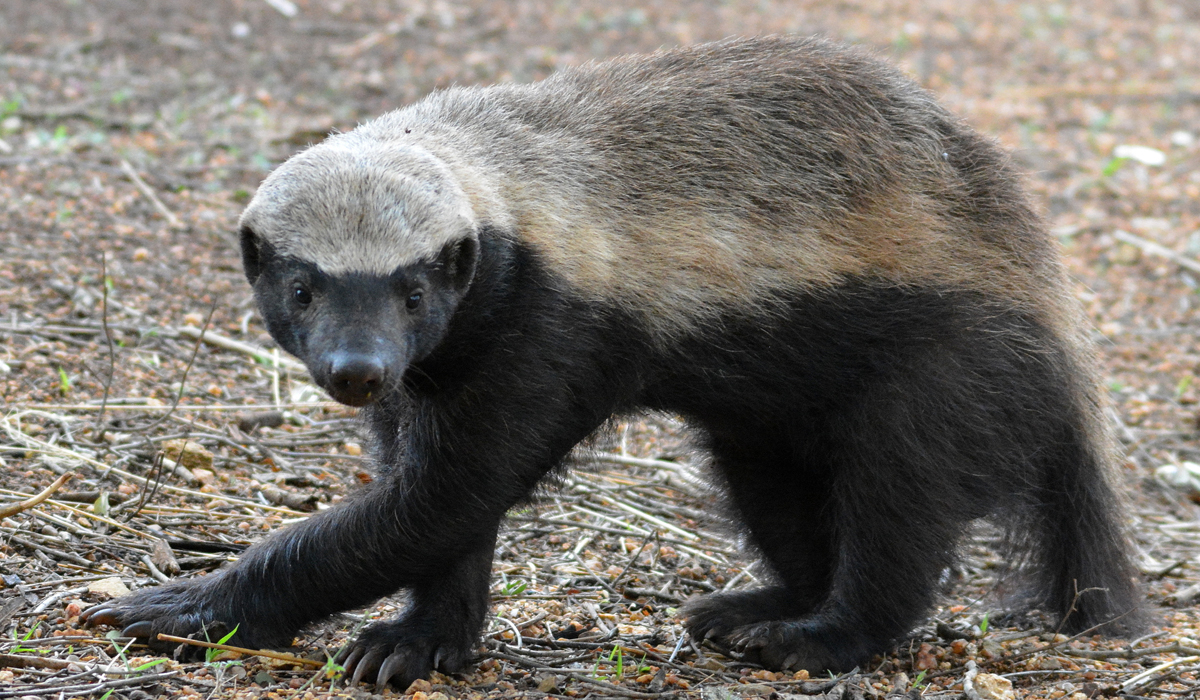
(259, 353)
(243, 650)
(15, 508)
(172, 220)
(1155, 249)
(112, 353)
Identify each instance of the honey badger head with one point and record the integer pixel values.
(358, 255)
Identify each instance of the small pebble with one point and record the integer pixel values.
(112, 587)
(419, 686)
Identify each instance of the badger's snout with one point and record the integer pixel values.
(355, 378)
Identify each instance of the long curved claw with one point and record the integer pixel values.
(450, 660)
(391, 666)
(791, 661)
(368, 663)
(351, 660)
(143, 629)
(102, 614)
(758, 641)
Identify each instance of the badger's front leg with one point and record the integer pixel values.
(452, 468)
(310, 570)
(337, 560)
(344, 558)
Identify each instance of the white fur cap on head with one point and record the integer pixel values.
(353, 205)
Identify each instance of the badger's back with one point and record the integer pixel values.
(738, 173)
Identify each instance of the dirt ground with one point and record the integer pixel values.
(131, 134)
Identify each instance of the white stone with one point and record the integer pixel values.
(1142, 154)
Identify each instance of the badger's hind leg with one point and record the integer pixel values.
(780, 494)
(849, 532)
(954, 416)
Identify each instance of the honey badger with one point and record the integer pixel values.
(840, 286)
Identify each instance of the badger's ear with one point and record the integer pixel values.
(458, 260)
(255, 253)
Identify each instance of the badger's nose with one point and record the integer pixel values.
(355, 378)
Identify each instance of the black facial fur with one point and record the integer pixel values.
(358, 333)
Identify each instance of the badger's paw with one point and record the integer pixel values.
(782, 646)
(404, 650)
(716, 615)
(180, 609)
(791, 645)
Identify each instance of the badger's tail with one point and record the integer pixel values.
(1081, 557)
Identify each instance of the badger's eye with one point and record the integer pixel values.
(413, 301)
(302, 296)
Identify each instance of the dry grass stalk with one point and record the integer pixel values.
(8, 511)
